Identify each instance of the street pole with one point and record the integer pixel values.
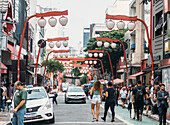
(0, 46)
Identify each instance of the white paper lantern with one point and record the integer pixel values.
(86, 62)
(61, 55)
(106, 44)
(99, 43)
(90, 62)
(66, 55)
(95, 54)
(52, 21)
(113, 45)
(63, 20)
(110, 24)
(120, 25)
(58, 44)
(42, 22)
(100, 55)
(90, 55)
(131, 26)
(51, 44)
(95, 62)
(65, 43)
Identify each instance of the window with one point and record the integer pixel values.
(158, 26)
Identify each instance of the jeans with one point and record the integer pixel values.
(54, 99)
(18, 117)
(139, 108)
(2, 104)
(110, 104)
(162, 113)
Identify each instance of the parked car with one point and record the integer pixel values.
(39, 106)
(75, 94)
(64, 87)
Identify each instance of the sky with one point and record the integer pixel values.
(81, 13)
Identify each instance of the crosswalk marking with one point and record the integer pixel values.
(115, 123)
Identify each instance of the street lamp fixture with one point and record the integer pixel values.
(121, 25)
(106, 44)
(110, 24)
(100, 55)
(90, 55)
(63, 21)
(131, 26)
(113, 45)
(51, 44)
(52, 21)
(99, 43)
(95, 54)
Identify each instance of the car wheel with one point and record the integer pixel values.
(53, 119)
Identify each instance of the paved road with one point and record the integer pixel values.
(76, 114)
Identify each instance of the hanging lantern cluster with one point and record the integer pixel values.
(52, 21)
(106, 45)
(95, 55)
(91, 62)
(58, 44)
(120, 25)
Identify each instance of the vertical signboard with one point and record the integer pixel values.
(166, 6)
(166, 81)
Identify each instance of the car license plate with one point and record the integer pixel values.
(76, 98)
(30, 115)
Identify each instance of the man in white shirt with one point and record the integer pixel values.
(4, 95)
(123, 94)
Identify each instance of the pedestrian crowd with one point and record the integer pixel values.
(138, 97)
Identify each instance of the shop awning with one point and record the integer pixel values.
(117, 80)
(3, 69)
(11, 48)
(149, 69)
(135, 75)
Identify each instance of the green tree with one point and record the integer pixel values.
(76, 72)
(53, 66)
(83, 79)
(115, 54)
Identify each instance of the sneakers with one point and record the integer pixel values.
(94, 119)
(112, 120)
(104, 119)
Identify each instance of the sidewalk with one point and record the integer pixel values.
(4, 118)
(150, 115)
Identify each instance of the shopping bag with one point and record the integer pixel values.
(132, 112)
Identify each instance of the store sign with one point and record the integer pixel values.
(166, 6)
(166, 46)
(166, 81)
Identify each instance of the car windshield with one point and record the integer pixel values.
(75, 90)
(36, 94)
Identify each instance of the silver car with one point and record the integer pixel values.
(75, 94)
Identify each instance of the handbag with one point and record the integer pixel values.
(132, 112)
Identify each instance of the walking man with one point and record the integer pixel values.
(138, 96)
(123, 94)
(20, 99)
(110, 102)
(162, 104)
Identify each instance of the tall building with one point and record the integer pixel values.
(86, 36)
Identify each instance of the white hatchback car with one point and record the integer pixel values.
(38, 107)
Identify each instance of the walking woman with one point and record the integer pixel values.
(110, 102)
(54, 91)
(96, 91)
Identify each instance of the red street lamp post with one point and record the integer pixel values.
(102, 51)
(110, 24)
(51, 46)
(54, 51)
(90, 59)
(115, 40)
(63, 21)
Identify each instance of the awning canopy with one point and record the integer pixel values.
(3, 69)
(149, 69)
(135, 75)
(117, 80)
(11, 48)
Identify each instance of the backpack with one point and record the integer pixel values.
(139, 94)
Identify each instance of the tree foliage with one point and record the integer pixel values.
(115, 54)
(53, 66)
(76, 72)
(83, 79)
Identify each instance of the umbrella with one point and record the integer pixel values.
(88, 85)
(117, 80)
(92, 81)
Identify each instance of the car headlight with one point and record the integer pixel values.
(47, 106)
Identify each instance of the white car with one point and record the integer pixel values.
(75, 94)
(38, 107)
